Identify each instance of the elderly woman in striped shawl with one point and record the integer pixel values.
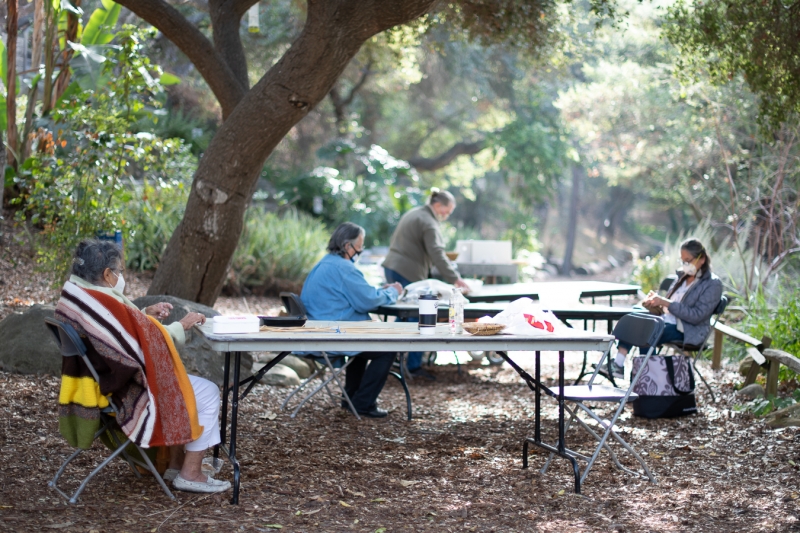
(136, 361)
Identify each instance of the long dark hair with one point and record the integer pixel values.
(696, 249)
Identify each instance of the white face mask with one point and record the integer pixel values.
(120, 285)
(689, 269)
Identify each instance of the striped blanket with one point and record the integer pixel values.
(136, 362)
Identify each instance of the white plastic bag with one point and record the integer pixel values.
(524, 317)
(427, 286)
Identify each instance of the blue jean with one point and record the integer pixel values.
(670, 334)
(414, 359)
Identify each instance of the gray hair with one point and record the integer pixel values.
(441, 197)
(93, 256)
(346, 232)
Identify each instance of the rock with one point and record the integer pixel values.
(751, 392)
(745, 364)
(551, 270)
(302, 367)
(198, 357)
(26, 345)
(280, 376)
(626, 256)
(786, 417)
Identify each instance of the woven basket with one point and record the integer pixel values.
(483, 328)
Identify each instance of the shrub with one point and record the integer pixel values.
(276, 252)
(780, 323)
(76, 182)
(154, 212)
(649, 272)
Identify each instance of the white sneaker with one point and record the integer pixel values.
(170, 474)
(211, 485)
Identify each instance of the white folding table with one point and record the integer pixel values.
(388, 337)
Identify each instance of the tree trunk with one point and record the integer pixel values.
(11, 83)
(2, 176)
(196, 260)
(572, 228)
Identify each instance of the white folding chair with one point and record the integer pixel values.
(638, 330)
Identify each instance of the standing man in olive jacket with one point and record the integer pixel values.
(417, 245)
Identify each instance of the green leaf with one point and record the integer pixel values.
(97, 29)
(9, 175)
(3, 119)
(169, 79)
(3, 66)
(87, 65)
(273, 526)
(67, 6)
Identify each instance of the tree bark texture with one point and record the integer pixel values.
(572, 227)
(196, 260)
(11, 83)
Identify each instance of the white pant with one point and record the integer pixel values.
(206, 395)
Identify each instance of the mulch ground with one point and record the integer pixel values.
(455, 467)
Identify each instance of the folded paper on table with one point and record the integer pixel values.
(524, 317)
(235, 324)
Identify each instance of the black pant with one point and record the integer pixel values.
(363, 382)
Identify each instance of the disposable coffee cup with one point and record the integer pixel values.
(428, 313)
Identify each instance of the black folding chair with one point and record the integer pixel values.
(637, 329)
(71, 345)
(666, 283)
(324, 364)
(293, 305)
(697, 349)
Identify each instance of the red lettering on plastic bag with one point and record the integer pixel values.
(540, 324)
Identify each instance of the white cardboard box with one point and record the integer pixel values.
(236, 324)
(490, 252)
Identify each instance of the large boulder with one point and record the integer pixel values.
(279, 376)
(26, 345)
(302, 367)
(198, 357)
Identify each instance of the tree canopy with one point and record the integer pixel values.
(758, 40)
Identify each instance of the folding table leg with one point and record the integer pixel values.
(234, 419)
(224, 423)
(537, 421)
(561, 445)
